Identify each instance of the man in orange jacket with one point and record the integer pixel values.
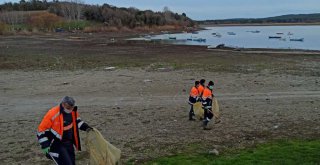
(201, 86)
(58, 132)
(193, 98)
(207, 104)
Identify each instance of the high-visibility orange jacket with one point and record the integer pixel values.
(200, 88)
(194, 92)
(207, 93)
(51, 127)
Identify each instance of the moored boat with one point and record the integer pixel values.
(200, 39)
(297, 39)
(274, 37)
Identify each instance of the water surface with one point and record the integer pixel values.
(251, 37)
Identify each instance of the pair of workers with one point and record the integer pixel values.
(200, 92)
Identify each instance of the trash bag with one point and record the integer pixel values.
(215, 108)
(101, 151)
(198, 110)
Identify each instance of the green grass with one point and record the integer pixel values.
(72, 25)
(280, 152)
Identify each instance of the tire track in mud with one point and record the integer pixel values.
(29, 104)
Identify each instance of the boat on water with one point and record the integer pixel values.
(297, 39)
(195, 32)
(200, 40)
(147, 36)
(172, 38)
(274, 37)
(216, 34)
(231, 33)
(280, 33)
(254, 31)
(290, 34)
(189, 39)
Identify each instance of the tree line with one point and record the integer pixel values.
(106, 14)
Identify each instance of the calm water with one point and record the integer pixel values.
(246, 37)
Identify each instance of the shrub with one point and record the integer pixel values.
(4, 28)
(44, 21)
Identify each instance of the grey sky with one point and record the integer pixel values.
(221, 9)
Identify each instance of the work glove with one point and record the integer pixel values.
(89, 129)
(46, 150)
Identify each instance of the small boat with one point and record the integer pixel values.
(274, 37)
(172, 38)
(290, 34)
(195, 32)
(297, 39)
(231, 33)
(256, 31)
(200, 40)
(280, 33)
(189, 39)
(147, 36)
(216, 35)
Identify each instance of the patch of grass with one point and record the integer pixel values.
(74, 25)
(280, 152)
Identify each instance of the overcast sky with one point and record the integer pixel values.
(219, 9)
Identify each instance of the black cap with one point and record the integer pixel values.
(210, 83)
(202, 81)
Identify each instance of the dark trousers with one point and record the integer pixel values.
(207, 117)
(208, 114)
(191, 102)
(207, 107)
(191, 112)
(62, 152)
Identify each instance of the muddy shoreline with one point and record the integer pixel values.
(141, 105)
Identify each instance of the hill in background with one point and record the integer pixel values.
(291, 18)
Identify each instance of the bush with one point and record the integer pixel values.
(4, 28)
(44, 21)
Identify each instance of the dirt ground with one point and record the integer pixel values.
(141, 106)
